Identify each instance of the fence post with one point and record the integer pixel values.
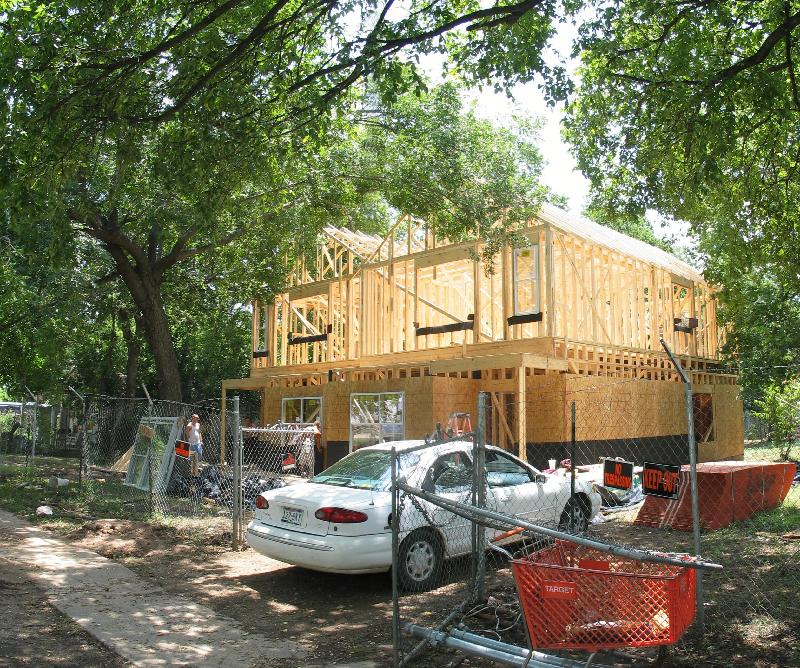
(395, 563)
(81, 432)
(479, 486)
(237, 483)
(572, 463)
(149, 452)
(687, 389)
(34, 428)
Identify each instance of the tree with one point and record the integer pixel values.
(780, 409)
(692, 109)
(170, 130)
(764, 336)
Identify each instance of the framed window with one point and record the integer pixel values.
(526, 280)
(376, 418)
(301, 409)
(153, 453)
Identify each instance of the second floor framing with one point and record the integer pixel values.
(576, 286)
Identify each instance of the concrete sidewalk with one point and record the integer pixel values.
(136, 619)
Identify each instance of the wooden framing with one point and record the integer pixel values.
(597, 293)
(370, 313)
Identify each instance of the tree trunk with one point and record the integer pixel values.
(159, 338)
(145, 289)
(134, 345)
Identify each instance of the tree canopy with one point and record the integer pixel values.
(692, 109)
(166, 131)
(184, 146)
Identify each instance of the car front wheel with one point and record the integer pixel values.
(575, 518)
(420, 561)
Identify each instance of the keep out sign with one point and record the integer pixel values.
(617, 474)
(661, 480)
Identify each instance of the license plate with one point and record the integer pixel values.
(292, 516)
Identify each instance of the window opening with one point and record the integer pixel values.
(703, 414)
(526, 280)
(376, 418)
(305, 410)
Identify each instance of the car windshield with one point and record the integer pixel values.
(365, 469)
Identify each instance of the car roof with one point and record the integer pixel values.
(401, 446)
(436, 449)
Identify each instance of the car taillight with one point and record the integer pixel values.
(340, 515)
(261, 503)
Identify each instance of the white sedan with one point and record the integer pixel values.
(340, 520)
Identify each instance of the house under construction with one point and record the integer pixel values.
(381, 338)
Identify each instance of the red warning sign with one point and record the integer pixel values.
(617, 474)
(182, 449)
(661, 480)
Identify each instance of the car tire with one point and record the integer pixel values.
(420, 561)
(574, 518)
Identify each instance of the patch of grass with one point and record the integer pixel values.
(24, 489)
(764, 451)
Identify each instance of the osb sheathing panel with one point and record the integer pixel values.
(452, 395)
(613, 408)
(545, 416)
(419, 408)
(606, 408)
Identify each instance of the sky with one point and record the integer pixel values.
(559, 172)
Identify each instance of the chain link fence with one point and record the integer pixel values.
(139, 451)
(133, 458)
(31, 428)
(614, 461)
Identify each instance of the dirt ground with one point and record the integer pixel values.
(336, 618)
(347, 618)
(33, 633)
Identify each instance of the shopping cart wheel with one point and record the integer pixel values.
(575, 518)
(420, 560)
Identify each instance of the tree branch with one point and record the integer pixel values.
(110, 236)
(773, 39)
(255, 35)
(790, 64)
(168, 44)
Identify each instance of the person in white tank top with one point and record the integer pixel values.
(193, 434)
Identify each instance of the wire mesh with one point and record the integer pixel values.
(275, 456)
(130, 455)
(610, 460)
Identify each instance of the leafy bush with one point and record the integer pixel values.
(780, 409)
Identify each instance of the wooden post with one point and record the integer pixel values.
(476, 300)
(507, 279)
(522, 412)
(548, 249)
(222, 415)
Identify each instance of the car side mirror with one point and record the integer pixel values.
(540, 478)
